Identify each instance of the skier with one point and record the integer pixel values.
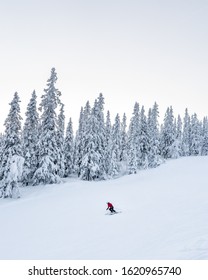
(110, 207)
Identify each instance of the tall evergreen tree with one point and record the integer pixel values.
(80, 137)
(47, 172)
(60, 142)
(133, 141)
(30, 139)
(69, 150)
(102, 137)
(132, 159)
(144, 142)
(111, 164)
(168, 136)
(154, 145)
(124, 139)
(195, 136)
(116, 137)
(12, 160)
(90, 168)
(179, 137)
(204, 144)
(186, 134)
(93, 145)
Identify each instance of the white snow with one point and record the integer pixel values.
(164, 216)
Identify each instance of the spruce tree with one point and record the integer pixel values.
(144, 143)
(92, 163)
(168, 136)
(69, 150)
(195, 136)
(30, 140)
(204, 144)
(179, 137)
(47, 172)
(12, 160)
(90, 168)
(186, 134)
(60, 142)
(124, 137)
(133, 139)
(154, 157)
(80, 137)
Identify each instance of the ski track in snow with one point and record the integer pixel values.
(164, 216)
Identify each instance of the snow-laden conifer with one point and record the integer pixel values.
(204, 143)
(90, 168)
(92, 162)
(30, 141)
(12, 160)
(133, 134)
(178, 141)
(60, 142)
(168, 136)
(144, 142)
(133, 141)
(116, 145)
(195, 136)
(124, 139)
(101, 133)
(80, 136)
(111, 164)
(154, 157)
(186, 134)
(69, 150)
(47, 172)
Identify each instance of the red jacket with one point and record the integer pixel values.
(110, 205)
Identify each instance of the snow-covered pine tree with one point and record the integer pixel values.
(89, 168)
(204, 148)
(124, 139)
(108, 148)
(78, 144)
(132, 159)
(12, 160)
(186, 134)
(47, 172)
(1, 146)
(195, 136)
(133, 141)
(144, 143)
(116, 137)
(116, 145)
(102, 136)
(80, 137)
(179, 137)
(30, 140)
(133, 138)
(168, 136)
(92, 163)
(69, 150)
(60, 142)
(111, 168)
(154, 157)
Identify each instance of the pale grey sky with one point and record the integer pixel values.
(130, 50)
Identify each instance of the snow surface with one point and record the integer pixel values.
(164, 216)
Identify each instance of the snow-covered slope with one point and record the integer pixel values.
(164, 216)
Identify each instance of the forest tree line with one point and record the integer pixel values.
(43, 151)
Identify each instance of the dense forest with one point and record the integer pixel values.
(42, 151)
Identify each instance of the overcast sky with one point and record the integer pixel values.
(130, 50)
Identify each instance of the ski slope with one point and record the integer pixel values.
(164, 216)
